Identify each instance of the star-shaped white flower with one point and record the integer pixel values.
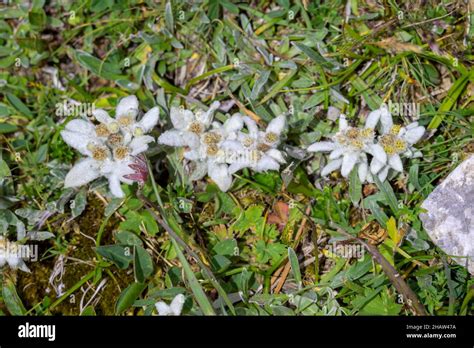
(349, 148)
(174, 308)
(125, 119)
(210, 141)
(213, 151)
(397, 142)
(110, 147)
(11, 252)
(10, 255)
(257, 149)
(207, 148)
(101, 160)
(188, 126)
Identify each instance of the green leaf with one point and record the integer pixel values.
(379, 215)
(314, 56)
(226, 204)
(4, 112)
(89, 311)
(37, 18)
(227, 247)
(278, 86)
(355, 187)
(6, 13)
(9, 60)
(372, 99)
(269, 252)
(259, 83)
(132, 223)
(97, 66)
(169, 17)
(251, 217)
(113, 205)
(282, 310)
(388, 194)
(120, 255)
(101, 5)
(213, 10)
(19, 105)
(166, 85)
(302, 184)
(196, 79)
(393, 231)
(167, 294)
(7, 128)
(220, 263)
(359, 268)
(306, 306)
(328, 277)
(230, 6)
(381, 305)
(41, 154)
(37, 4)
(295, 266)
(413, 176)
(314, 100)
(128, 238)
(128, 297)
(79, 203)
(269, 181)
(127, 84)
(150, 224)
(4, 170)
(143, 264)
(11, 299)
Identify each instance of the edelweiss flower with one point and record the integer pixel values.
(349, 147)
(174, 308)
(188, 126)
(397, 142)
(257, 149)
(13, 253)
(223, 149)
(126, 119)
(10, 254)
(111, 147)
(206, 147)
(213, 151)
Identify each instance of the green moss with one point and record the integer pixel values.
(34, 287)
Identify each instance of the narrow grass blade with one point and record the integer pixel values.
(278, 86)
(453, 94)
(372, 99)
(209, 73)
(314, 56)
(199, 295)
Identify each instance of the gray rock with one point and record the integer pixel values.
(450, 217)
